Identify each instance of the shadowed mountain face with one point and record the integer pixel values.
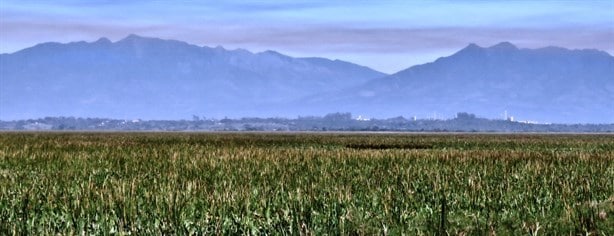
(150, 78)
(549, 84)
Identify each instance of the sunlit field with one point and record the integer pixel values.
(307, 183)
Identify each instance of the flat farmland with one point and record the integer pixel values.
(306, 183)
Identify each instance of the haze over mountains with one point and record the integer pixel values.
(548, 84)
(139, 77)
(150, 78)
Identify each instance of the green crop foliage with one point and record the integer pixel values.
(305, 183)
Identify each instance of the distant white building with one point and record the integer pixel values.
(361, 118)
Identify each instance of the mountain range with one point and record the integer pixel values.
(150, 78)
(548, 84)
(140, 77)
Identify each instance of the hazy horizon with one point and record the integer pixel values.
(386, 36)
(547, 61)
(315, 56)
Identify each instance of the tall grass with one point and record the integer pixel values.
(256, 183)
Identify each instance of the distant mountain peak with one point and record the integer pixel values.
(470, 50)
(135, 38)
(473, 50)
(472, 47)
(103, 40)
(504, 46)
(273, 53)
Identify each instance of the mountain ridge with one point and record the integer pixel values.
(549, 84)
(137, 75)
(152, 78)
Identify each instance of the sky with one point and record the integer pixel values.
(385, 35)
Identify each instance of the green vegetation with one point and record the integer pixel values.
(256, 183)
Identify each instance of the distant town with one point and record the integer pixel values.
(463, 122)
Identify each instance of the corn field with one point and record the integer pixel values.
(306, 183)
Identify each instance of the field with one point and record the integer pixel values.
(306, 183)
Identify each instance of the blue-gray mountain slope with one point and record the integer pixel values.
(547, 85)
(150, 78)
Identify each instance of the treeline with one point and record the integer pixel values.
(464, 122)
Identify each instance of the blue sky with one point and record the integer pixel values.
(385, 35)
